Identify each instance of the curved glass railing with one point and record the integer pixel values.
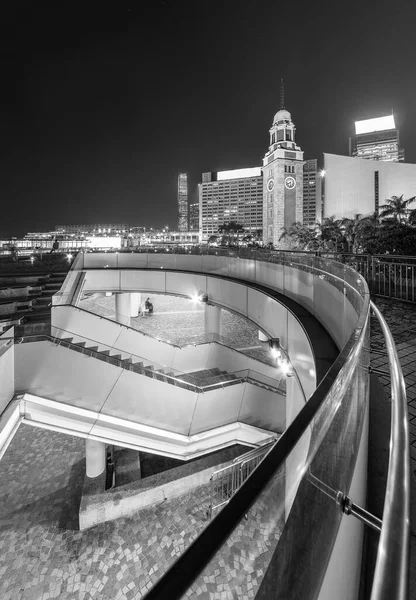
(275, 537)
(208, 379)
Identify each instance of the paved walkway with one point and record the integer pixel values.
(43, 555)
(401, 318)
(180, 321)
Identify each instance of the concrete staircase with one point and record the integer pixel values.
(205, 380)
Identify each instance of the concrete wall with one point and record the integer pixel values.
(6, 368)
(307, 287)
(61, 374)
(127, 500)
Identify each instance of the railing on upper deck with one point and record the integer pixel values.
(387, 276)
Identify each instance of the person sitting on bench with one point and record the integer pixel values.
(148, 306)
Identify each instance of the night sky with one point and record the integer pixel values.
(102, 107)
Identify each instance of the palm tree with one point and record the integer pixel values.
(350, 229)
(328, 233)
(300, 235)
(235, 228)
(396, 208)
(231, 228)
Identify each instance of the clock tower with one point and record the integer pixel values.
(282, 178)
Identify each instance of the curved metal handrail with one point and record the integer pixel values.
(390, 577)
(177, 580)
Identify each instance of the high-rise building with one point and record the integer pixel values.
(311, 192)
(282, 178)
(231, 196)
(194, 216)
(182, 202)
(377, 139)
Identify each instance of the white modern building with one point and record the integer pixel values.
(354, 186)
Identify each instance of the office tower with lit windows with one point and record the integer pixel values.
(376, 139)
(182, 202)
(231, 196)
(282, 178)
(311, 192)
(194, 216)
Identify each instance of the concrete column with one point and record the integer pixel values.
(262, 336)
(123, 307)
(212, 319)
(95, 454)
(136, 299)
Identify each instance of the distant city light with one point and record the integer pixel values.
(378, 124)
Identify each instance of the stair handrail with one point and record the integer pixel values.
(176, 380)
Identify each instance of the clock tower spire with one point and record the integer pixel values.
(282, 176)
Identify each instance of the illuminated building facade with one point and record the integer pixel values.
(311, 192)
(194, 216)
(96, 228)
(182, 202)
(282, 179)
(227, 196)
(377, 139)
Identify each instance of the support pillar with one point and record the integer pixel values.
(123, 307)
(95, 454)
(263, 337)
(135, 301)
(212, 319)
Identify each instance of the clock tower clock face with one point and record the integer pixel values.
(290, 183)
(270, 185)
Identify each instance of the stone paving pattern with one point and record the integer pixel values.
(43, 554)
(401, 319)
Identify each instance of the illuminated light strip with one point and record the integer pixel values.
(239, 173)
(378, 124)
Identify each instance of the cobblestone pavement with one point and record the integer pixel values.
(44, 555)
(401, 319)
(181, 321)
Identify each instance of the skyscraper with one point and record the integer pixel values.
(182, 202)
(312, 181)
(377, 139)
(282, 178)
(194, 217)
